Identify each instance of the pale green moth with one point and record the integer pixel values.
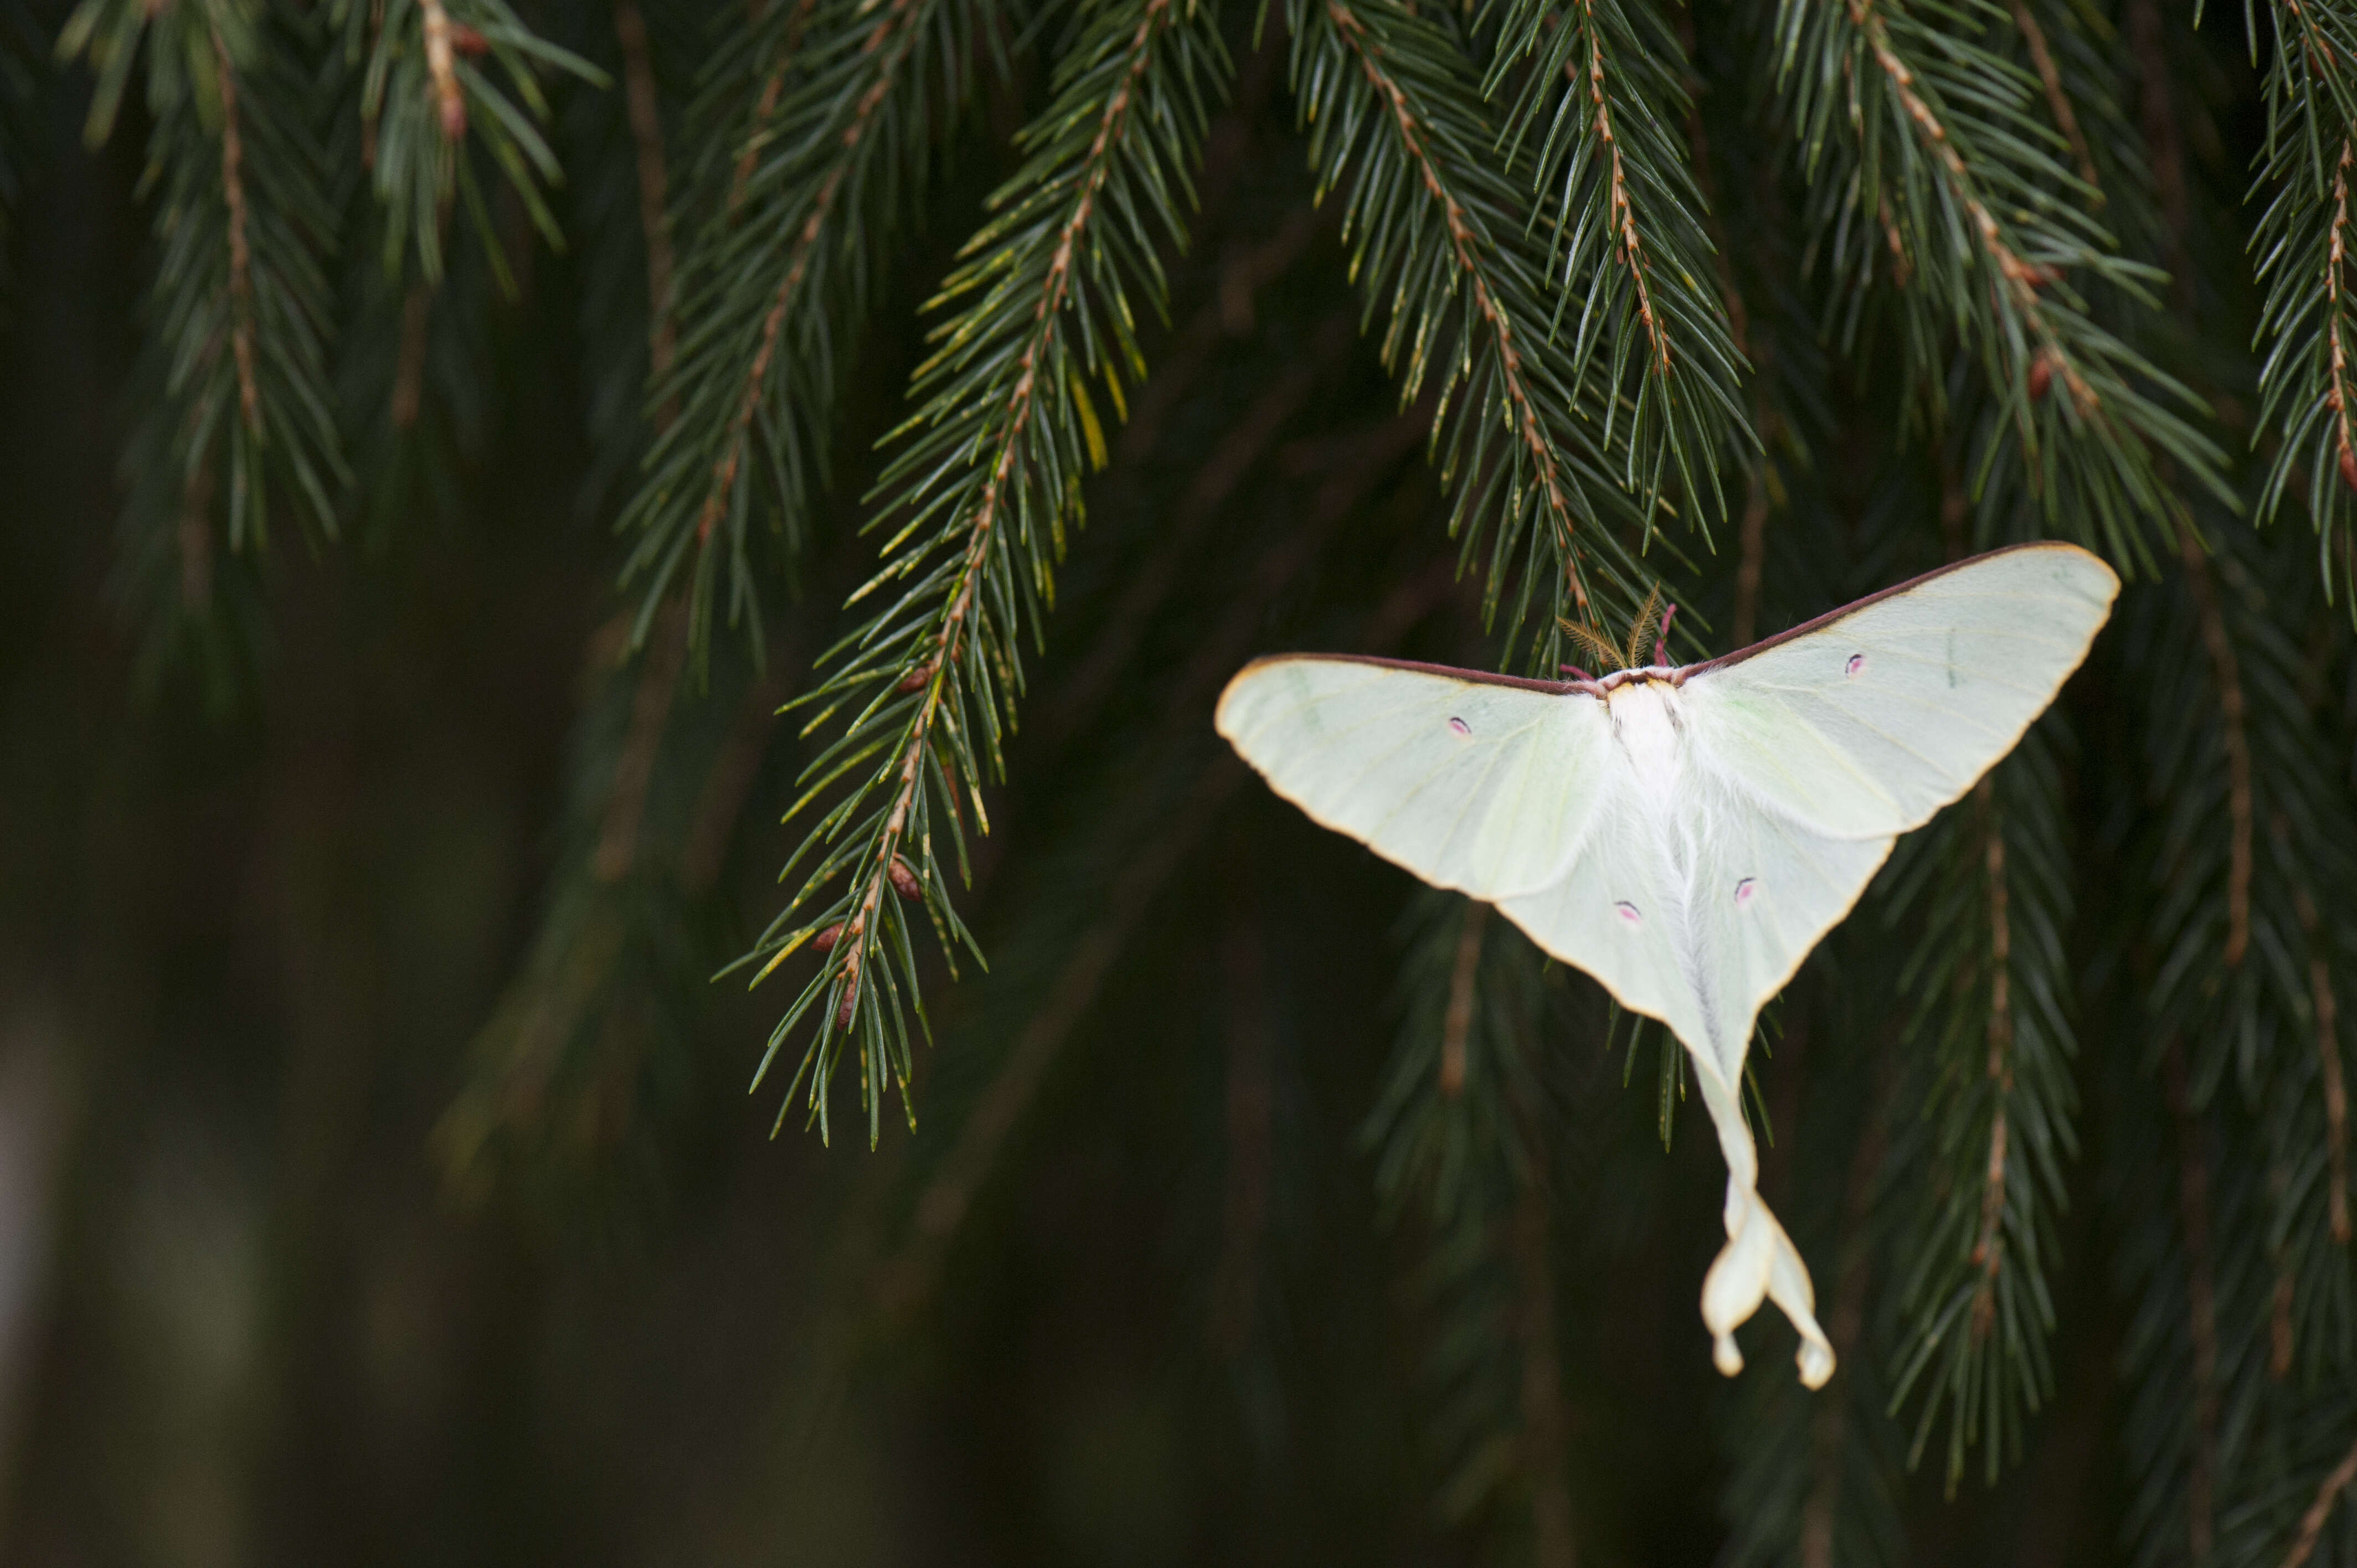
(1686, 834)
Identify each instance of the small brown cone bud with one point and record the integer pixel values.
(468, 42)
(454, 117)
(850, 1005)
(2042, 376)
(914, 681)
(2347, 467)
(824, 941)
(904, 881)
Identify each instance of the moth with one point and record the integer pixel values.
(1687, 834)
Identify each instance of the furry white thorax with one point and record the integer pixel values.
(1647, 723)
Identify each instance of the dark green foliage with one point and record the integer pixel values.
(442, 87)
(1992, 1039)
(237, 421)
(1449, 332)
(1939, 191)
(2300, 245)
(812, 141)
(982, 490)
(1603, 101)
(1459, 1140)
(2243, 1280)
(1391, 98)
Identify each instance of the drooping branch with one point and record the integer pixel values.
(1545, 496)
(771, 282)
(981, 490)
(1935, 186)
(240, 250)
(1522, 402)
(1988, 1246)
(2201, 1304)
(2235, 733)
(644, 109)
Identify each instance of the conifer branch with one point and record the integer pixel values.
(1434, 225)
(954, 1179)
(1600, 104)
(240, 247)
(773, 87)
(2324, 1010)
(2058, 101)
(644, 108)
(2201, 1306)
(980, 492)
(2302, 246)
(238, 413)
(1923, 144)
(2234, 738)
(835, 154)
(1990, 984)
(2328, 1493)
(1472, 1167)
(565, 1080)
(429, 92)
(2248, 1296)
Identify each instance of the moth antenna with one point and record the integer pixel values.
(1591, 641)
(1662, 643)
(1637, 628)
(1575, 672)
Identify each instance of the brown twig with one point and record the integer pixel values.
(1468, 250)
(1624, 215)
(2326, 1006)
(644, 108)
(2021, 278)
(2311, 1523)
(634, 769)
(2201, 1306)
(2157, 118)
(2336, 257)
(949, 643)
(2227, 670)
(1988, 1249)
(2066, 119)
(898, 33)
(772, 90)
(240, 253)
(442, 67)
(1456, 1023)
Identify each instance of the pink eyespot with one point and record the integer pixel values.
(1629, 913)
(1857, 662)
(1461, 726)
(1743, 892)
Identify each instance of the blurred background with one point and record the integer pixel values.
(348, 1216)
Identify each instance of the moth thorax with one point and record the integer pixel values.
(1646, 727)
